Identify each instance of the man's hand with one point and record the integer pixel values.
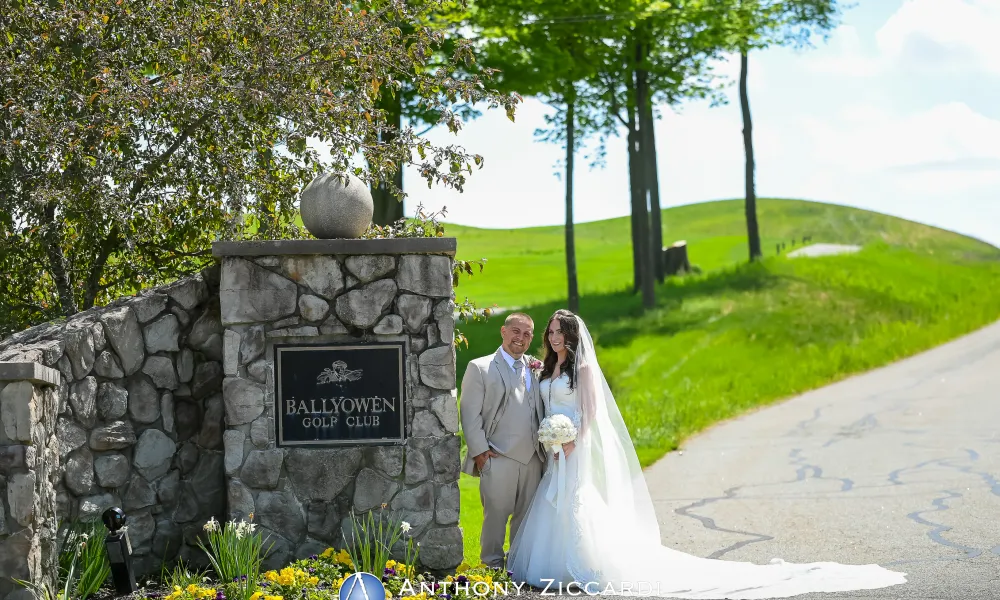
(567, 449)
(480, 459)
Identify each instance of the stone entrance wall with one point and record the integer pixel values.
(314, 291)
(29, 473)
(137, 414)
(163, 404)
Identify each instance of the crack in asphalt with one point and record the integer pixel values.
(804, 424)
(937, 528)
(854, 430)
(756, 537)
(846, 484)
(935, 534)
(894, 475)
(858, 429)
(991, 481)
(709, 523)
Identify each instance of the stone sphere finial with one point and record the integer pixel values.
(331, 209)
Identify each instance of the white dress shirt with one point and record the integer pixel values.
(510, 361)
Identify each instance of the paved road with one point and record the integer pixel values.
(823, 250)
(899, 466)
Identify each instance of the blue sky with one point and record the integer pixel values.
(897, 112)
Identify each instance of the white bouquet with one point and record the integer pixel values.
(555, 431)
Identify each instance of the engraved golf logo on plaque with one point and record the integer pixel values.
(339, 394)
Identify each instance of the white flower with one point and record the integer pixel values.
(556, 430)
(405, 526)
(211, 525)
(243, 528)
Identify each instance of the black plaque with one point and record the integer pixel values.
(339, 394)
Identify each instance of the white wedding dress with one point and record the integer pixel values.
(592, 522)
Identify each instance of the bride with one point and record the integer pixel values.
(591, 523)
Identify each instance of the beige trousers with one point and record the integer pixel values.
(506, 488)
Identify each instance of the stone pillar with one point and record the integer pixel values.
(29, 473)
(329, 291)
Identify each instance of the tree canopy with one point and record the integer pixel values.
(134, 134)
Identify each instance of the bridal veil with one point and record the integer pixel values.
(618, 535)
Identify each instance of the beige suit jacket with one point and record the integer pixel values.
(486, 386)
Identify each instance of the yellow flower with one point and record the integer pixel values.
(313, 581)
(337, 584)
(191, 588)
(390, 564)
(257, 595)
(344, 558)
(273, 598)
(327, 553)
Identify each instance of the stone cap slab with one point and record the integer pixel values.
(29, 371)
(443, 245)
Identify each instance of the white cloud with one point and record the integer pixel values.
(939, 166)
(949, 140)
(843, 54)
(928, 35)
(922, 36)
(518, 184)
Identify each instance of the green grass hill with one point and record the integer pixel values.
(737, 336)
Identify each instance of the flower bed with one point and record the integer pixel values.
(236, 550)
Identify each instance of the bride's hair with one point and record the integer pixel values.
(571, 336)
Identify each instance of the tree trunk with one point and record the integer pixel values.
(108, 245)
(57, 262)
(573, 293)
(635, 185)
(388, 208)
(640, 214)
(653, 184)
(676, 259)
(265, 210)
(753, 231)
(648, 262)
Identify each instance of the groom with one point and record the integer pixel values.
(501, 411)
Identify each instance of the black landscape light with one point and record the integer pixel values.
(119, 550)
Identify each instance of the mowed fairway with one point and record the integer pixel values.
(738, 336)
